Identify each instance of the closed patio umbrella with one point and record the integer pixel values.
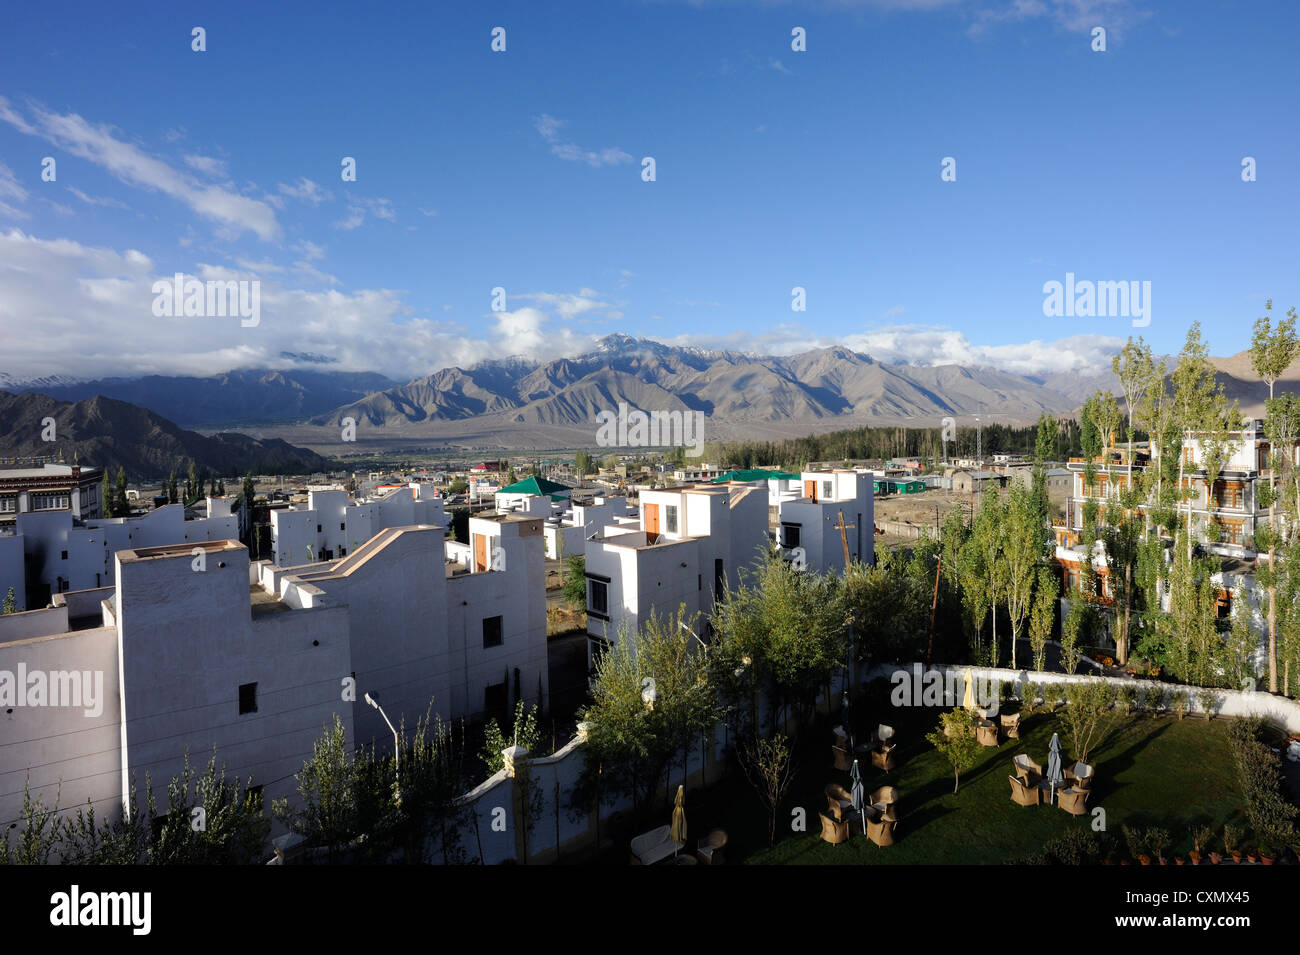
(845, 723)
(1054, 774)
(858, 794)
(678, 831)
(968, 701)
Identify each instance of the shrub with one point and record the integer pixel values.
(1179, 702)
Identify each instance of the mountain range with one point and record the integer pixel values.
(520, 402)
(104, 432)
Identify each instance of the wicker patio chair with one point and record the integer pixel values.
(1072, 800)
(880, 830)
(1030, 772)
(834, 831)
(1024, 795)
(839, 801)
(1079, 775)
(1010, 725)
(709, 849)
(987, 733)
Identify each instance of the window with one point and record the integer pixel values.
(492, 631)
(494, 698)
(247, 698)
(8, 505)
(790, 534)
(318, 529)
(670, 518)
(826, 489)
(598, 597)
(65, 555)
(343, 525)
(49, 502)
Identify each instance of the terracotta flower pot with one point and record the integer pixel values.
(1195, 858)
(1215, 858)
(1251, 857)
(1265, 859)
(1145, 860)
(1178, 860)
(1236, 857)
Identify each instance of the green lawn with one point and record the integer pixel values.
(1150, 772)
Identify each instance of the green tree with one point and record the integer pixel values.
(1023, 549)
(121, 505)
(171, 488)
(650, 699)
(107, 498)
(524, 732)
(582, 463)
(40, 830)
(9, 605)
(1090, 716)
(791, 625)
(955, 740)
(575, 581)
(209, 820)
(1043, 617)
(769, 766)
(1272, 351)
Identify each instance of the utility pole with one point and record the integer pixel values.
(934, 603)
(844, 538)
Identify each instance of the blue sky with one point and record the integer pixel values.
(522, 170)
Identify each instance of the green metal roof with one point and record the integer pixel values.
(534, 485)
(747, 475)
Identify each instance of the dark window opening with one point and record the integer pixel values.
(492, 631)
(247, 698)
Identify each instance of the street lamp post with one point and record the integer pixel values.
(397, 748)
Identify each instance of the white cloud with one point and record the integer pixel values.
(9, 187)
(106, 201)
(549, 127)
(360, 206)
(568, 305)
(216, 168)
(132, 165)
(94, 306)
(306, 190)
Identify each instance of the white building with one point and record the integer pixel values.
(184, 653)
(689, 547)
(333, 525)
(809, 526)
(567, 533)
(61, 553)
(50, 487)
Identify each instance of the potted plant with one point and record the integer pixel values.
(1207, 699)
(1156, 840)
(1251, 857)
(1266, 856)
(1200, 837)
(1178, 702)
(1231, 838)
(1136, 840)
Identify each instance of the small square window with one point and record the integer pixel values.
(318, 528)
(343, 525)
(247, 698)
(599, 599)
(65, 555)
(492, 631)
